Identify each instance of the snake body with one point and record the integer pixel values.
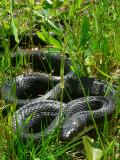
(83, 101)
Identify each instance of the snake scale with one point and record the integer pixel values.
(38, 96)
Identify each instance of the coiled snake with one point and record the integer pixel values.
(83, 101)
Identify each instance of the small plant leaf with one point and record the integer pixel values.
(54, 42)
(29, 119)
(93, 150)
(15, 31)
(97, 154)
(51, 157)
(78, 4)
(41, 36)
(75, 5)
(14, 28)
(32, 3)
(48, 1)
(45, 36)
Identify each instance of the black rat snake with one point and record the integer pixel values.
(38, 96)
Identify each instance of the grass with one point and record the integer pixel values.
(89, 32)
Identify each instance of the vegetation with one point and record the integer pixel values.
(89, 32)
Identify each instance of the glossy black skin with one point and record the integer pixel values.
(76, 113)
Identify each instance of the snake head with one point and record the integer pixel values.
(72, 126)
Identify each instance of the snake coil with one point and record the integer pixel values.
(38, 96)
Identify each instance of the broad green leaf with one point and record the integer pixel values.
(45, 36)
(54, 42)
(97, 153)
(41, 36)
(85, 31)
(15, 31)
(88, 147)
(93, 150)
